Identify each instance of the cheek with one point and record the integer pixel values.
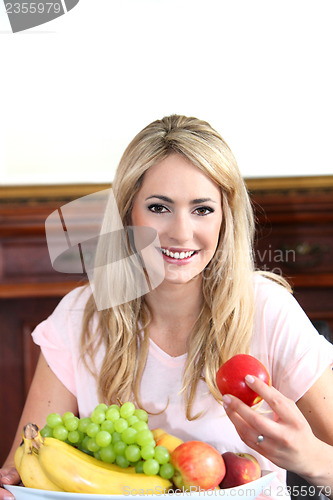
(142, 218)
(137, 217)
(212, 234)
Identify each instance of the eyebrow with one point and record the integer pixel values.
(169, 200)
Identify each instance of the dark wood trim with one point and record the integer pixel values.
(32, 194)
(39, 193)
(306, 183)
(35, 290)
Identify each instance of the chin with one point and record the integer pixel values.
(182, 278)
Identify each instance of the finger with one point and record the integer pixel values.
(9, 476)
(6, 495)
(239, 412)
(247, 428)
(280, 404)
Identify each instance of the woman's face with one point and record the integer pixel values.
(184, 206)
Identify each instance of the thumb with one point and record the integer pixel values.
(9, 475)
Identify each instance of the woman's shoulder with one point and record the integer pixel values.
(271, 288)
(73, 304)
(76, 297)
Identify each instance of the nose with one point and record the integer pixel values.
(180, 229)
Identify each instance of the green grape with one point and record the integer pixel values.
(74, 437)
(92, 445)
(151, 467)
(148, 451)
(132, 453)
(83, 424)
(127, 410)
(102, 406)
(161, 454)
(107, 454)
(53, 419)
(116, 437)
(120, 425)
(108, 426)
(60, 432)
(92, 429)
(132, 420)
(97, 455)
(112, 414)
(97, 416)
(84, 444)
(103, 438)
(141, 414)
(47, 431)
(119, 447)
(145, 437)
(71, 424)
(139, 467)
(129, 435)
(140, 426)
(167, 471)
(67, 414)
(122, 461)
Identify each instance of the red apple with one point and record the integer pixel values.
(241, 468)
(230, 377)
(197, 465)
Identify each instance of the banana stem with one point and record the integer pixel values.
(30, 431)
(31, 437)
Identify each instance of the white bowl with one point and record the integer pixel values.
(248, 491)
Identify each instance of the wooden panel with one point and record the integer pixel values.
(18, 356)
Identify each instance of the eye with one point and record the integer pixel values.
(157, 208)
(201, 211)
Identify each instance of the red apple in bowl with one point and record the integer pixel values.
(197, 465)
(241, 468)
(230, 378)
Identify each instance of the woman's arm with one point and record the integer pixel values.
(46, 395)
(302, 445)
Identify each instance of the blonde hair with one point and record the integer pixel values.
(225, 323)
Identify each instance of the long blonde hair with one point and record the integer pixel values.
(225, 323)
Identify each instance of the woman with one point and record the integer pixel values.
(163, 349)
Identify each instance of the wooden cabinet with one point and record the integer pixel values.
(294, 237)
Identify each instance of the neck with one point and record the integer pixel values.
(175, 303)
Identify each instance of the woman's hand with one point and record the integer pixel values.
(8, 475)
(287, 439)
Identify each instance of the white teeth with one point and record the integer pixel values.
(178, 255)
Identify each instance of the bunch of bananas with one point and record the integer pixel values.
(50, 464)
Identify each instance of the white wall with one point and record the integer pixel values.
(76, 90)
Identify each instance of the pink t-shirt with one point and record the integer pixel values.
(283, 339)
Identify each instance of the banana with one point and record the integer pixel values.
(18, 456)
(74, 471)
(29, 468)
(40, 441)
(163, 438)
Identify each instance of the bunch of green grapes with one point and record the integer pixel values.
(113, 434)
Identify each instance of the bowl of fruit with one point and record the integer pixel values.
(113, 453)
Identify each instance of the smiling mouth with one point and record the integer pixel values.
(178, 255)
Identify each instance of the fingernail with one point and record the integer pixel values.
(226, 400)
(249, 379)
